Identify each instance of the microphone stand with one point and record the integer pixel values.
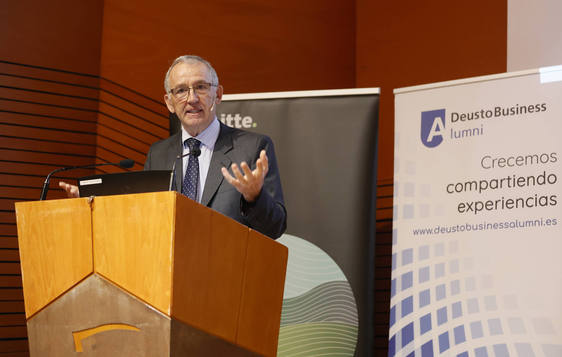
(127, 163)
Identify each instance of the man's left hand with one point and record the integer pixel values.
(248, 182)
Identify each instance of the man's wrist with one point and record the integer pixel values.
(246, 206)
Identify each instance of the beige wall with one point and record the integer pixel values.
(534, 34)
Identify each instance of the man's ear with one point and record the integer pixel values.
(168, 101)
(220, 91)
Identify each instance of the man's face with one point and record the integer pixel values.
(196, 111)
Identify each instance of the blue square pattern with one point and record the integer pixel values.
(470, 284)
(455, 287)
(501, 350)
(407, 256)
(464, 354)
(444, 342)
(454, 266)
(516, 325)
(480, 352)
(425, 323)
(495, 327)
(424, 210)
(439, 270)
(392, 319)
(468, 263)
(427, 349)
(407, 334)
(552, 350)
(412, 354)
(543, 326)
(456, 309)
(460, 336)
(409, 189)
(394, 264)
(423, 252)
(407, 280)
(442, 316)
(424, 274)
(392, 346)
(524, 350)
(392, 287)
(472, 306)
(425, 298)
(439, 250)
(394, 232)
(408, 212)
(476, 329)
(440, 293)
(490, 303)
(407, 306)
(453, 246)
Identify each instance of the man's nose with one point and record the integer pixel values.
(192, 97)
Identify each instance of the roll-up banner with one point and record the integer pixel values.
(325, 143)
(477, 230)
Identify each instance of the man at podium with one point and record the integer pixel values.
(205, 149)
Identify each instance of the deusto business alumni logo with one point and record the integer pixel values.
(432, 127)
(467, 125)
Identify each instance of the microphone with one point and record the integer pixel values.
(126, 164)
(196, 152)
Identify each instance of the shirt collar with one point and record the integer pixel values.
(207, 137)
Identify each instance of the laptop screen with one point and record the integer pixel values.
(125, 182)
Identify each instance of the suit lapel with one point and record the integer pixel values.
(218, 160)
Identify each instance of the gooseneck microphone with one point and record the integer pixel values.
(196, 152)
(126, 164)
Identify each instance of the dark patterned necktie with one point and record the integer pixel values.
(191, 178)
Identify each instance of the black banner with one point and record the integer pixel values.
(326, 143)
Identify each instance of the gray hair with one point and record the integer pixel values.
(190, 59)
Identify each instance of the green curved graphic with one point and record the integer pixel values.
(319, 316)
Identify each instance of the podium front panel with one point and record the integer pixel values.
(133, 237)
(209, 258)
(55, 248)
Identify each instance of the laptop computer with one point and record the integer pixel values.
(124, 182)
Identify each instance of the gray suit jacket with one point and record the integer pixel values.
(267, 214)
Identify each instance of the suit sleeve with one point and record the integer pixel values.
(147, 161)
(267, 214)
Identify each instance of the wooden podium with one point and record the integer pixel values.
(151, 274)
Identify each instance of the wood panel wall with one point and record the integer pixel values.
(50, 118)
(255, 45)
(128, 122)
(47, 119)
(81, 82)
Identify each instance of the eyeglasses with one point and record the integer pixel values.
(201, 89)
